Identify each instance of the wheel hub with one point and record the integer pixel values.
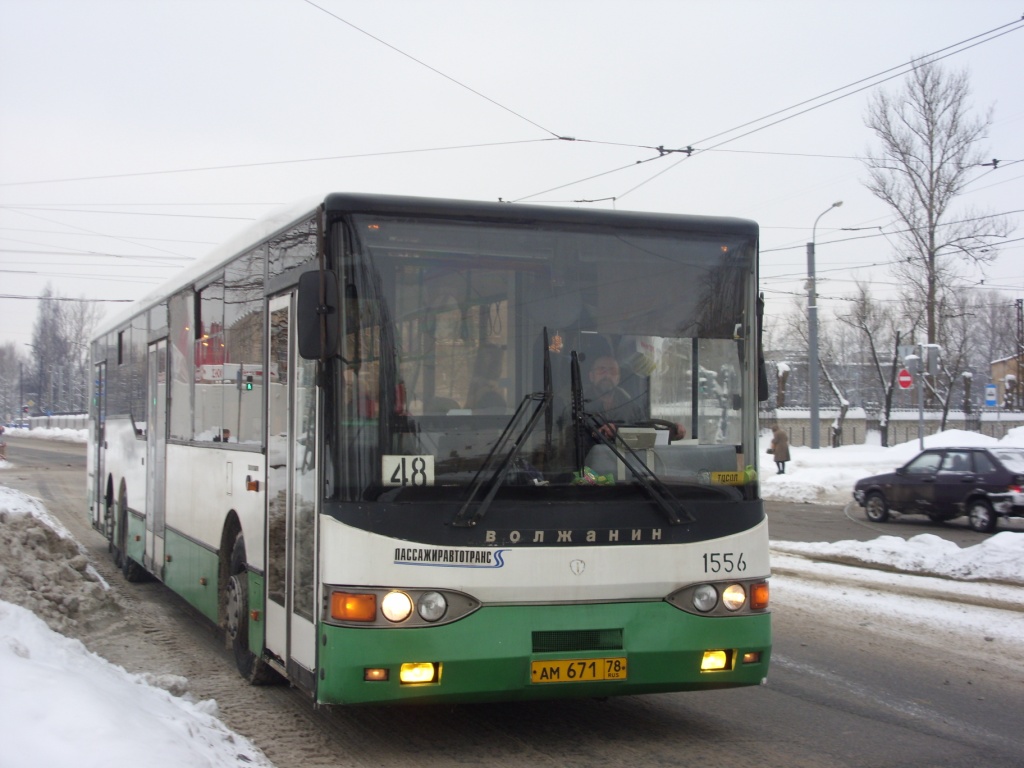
(237, 601)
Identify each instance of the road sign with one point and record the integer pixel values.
(904, 379)
(990, 395)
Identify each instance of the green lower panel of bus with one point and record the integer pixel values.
(546, 652)
(135, 537)
(191, 570)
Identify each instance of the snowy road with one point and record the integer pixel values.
(868, 669)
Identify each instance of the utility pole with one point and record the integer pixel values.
(812, 332)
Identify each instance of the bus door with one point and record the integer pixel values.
(101, 512)
(292, 499)
(156, 446)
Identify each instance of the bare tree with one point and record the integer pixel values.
(928, 155)
(955, 322)
(60, 346)
(10, 382)
(830, 363)
(878, 327)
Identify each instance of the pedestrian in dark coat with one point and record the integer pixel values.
(779, 449)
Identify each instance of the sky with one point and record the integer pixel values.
(54, 684)
(136, 136)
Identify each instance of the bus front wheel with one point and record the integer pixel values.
(250, 666)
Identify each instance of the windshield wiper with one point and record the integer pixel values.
(653, 485)
(493, 480)
(466, 517)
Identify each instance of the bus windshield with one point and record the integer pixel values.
(540, 356)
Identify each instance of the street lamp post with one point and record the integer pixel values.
(812, 332)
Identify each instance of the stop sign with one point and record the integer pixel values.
(904, 379)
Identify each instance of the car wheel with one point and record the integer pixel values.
(876, 508)
(981, 518)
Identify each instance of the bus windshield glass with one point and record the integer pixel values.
(540, 356)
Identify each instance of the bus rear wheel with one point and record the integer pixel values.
(250, 666)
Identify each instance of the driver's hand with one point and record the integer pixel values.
(678, 432)
(608, 430)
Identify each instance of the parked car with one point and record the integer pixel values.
(945, 483)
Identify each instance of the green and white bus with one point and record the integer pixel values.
(370, 440)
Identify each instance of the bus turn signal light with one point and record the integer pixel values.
(346, 606)
(759, 596)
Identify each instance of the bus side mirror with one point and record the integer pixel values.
(318, 317)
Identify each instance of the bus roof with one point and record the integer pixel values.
(519, 212)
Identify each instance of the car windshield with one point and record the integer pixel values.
(1011, 458)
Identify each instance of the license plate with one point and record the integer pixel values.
(578, 670)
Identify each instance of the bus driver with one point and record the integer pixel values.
(611, 403)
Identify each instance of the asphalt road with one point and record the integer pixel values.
(789, 521)
(847, 687)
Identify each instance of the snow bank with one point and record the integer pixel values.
(43, 569)
(67, 706)
(999, 558)
(61, 704)
(50, 433)
(827, 475)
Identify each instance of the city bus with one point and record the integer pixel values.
(423, 450)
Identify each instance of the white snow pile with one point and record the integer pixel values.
(50, 433)
(60, 704)
(999, 558)
(43, 569)
(63, 705)
(827, 475)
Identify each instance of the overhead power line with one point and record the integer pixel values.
(436, 71)
(64, 298)
(788, 113)
(234, 166)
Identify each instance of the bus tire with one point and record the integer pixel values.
(250, 666)
(110, 526)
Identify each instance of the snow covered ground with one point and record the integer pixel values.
(60, 701)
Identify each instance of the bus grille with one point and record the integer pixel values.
(577, 640)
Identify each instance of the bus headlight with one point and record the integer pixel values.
(705, 598)
(431, 606)
(741, 597)
(396, 606)
(734, 597)
(405, 607)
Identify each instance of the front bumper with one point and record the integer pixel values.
(1008, 504)
(487, 656)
